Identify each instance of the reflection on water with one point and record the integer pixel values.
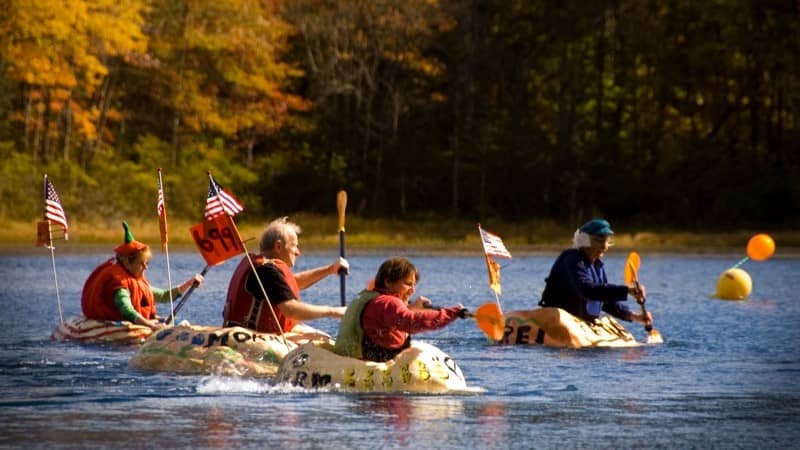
(407, 416)
(492, 418)
(402, 410)
(216, 431)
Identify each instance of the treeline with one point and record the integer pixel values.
(673, 113)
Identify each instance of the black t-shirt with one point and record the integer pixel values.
(278, 291)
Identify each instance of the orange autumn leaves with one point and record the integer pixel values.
(216, 65)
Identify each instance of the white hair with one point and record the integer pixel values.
(580, 239)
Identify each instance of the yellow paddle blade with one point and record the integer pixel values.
(654, 337)
(632, 268)
(341, 205)
(490, 320)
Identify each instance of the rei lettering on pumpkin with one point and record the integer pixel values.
(517, 335)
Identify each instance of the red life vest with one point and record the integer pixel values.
(97, 299)
(243, 309)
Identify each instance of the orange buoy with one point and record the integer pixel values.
(760, 247)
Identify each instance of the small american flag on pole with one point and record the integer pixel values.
(492, 244)
(53, 210)
(220, 202)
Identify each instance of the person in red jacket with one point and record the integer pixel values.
(118, 290)
(378, 324)
(246, 304)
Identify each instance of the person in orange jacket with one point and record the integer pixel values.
(118, 290)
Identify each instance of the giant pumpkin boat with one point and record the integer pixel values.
(191, 349)
(235, 351)
(89, 331)
(421, 368)
(555, 327)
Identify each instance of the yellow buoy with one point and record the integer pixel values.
(734, 284)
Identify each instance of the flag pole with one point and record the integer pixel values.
(162, 219)
(492, 266)
(55, 274)
(489, 268)
(52, 249)
(250, 261)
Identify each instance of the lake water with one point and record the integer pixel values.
(727, 376)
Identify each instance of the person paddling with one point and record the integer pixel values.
(578, 283)
(246, 305)
(378, 325)
(118, 290)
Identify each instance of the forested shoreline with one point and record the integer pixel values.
(677, 115)
(435, 236)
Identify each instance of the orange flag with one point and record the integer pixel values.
(493, 246)
(494, 275)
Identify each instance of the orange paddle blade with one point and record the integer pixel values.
(632, 268)
(490, 320)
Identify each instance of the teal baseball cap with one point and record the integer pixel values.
(597, 227)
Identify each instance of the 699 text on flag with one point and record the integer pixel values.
(217, 239)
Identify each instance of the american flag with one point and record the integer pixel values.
(53, 210)
(161, 209)
(220, 202)
(492, 244)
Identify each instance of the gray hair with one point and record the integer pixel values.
(277, 230)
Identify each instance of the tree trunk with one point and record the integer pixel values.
(46, 126)
(29, 121)
(104, 102)
(567, 160)
(250, 144)
(455, 142)
(176, 125)
(67, 126)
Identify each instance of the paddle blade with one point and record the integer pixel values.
(490, 320)
(341, 205)
(654, 337)
(632, 268)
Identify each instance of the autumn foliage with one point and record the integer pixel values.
(682, 113)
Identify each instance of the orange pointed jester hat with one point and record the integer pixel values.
(131, 245)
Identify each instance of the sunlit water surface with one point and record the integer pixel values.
(728, 375)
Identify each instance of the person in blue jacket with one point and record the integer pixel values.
(578, 283)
